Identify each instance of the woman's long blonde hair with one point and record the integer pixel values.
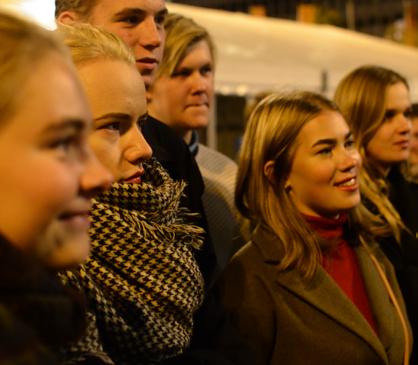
(361, 99)
(271, 135)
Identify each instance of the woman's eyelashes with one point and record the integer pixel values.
(207, 69)
(120, 124)
(186, 72)
(67, 147)
(65, 138)
(349, 143)
(328, 149)
(408, 113)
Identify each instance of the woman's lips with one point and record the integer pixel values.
(349, 184)
(134, 179)
(403, 144)
(78, 220)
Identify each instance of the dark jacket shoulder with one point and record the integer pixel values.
(37, 315)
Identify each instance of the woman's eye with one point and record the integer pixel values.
(66, 145)
(389, 114)
(62, 144)
(111, 126)
(181, 73)
(349, 143)
(206, 70)
(407, 113)
(325, 151)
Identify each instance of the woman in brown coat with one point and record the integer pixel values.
(310, 287)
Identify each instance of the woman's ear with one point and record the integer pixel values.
(269, 172)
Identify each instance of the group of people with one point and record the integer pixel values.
(126, 241)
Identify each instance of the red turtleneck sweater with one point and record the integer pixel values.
(341, 263)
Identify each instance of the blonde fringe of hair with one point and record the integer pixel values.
(88, 43)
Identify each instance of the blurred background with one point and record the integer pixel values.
(393, 19)
(266, 45)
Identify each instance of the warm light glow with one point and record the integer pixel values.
(41, 11)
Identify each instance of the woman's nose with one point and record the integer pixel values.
(137, 148)
(349, 160)
(404, 125)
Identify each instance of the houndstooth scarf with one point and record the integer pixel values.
(141, 281)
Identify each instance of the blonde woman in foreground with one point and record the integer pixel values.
(48, 176)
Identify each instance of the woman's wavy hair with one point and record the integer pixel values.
(271, 135)
(361, 98)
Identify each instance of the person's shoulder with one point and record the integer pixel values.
(155, 126)
(214, 163)
(207, 152)
(161, 136)
(248, 260)
(170, 150)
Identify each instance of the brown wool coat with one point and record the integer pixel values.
(289, 321)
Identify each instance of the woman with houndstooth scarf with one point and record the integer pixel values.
(141, 281)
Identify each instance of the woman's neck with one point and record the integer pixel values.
(331, 230)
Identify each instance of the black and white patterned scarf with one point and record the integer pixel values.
(141, 281)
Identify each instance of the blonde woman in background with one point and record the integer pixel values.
(48, 176)
(310, 286)
(376, 104)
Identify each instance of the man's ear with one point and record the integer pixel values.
(269, 172)
(68, 17)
